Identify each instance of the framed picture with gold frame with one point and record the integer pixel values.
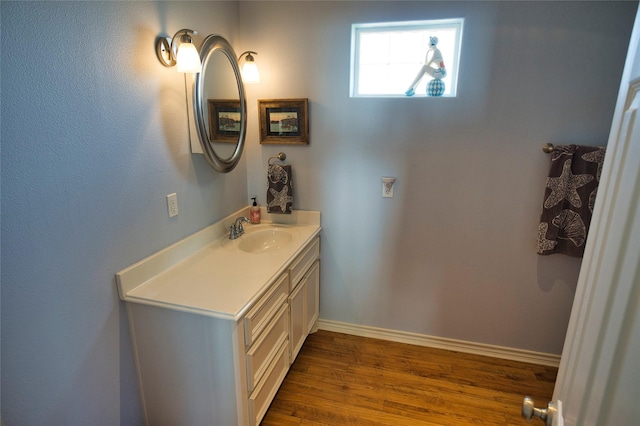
(284, 121)
(224, 120)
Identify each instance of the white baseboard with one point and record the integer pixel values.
(502, 352)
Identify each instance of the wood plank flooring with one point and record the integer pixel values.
(340, 379)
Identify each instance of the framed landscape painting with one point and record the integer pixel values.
(284, 121)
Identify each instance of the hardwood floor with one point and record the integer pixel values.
(340, 379)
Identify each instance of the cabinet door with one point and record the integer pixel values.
(297, 332)
(304, 304)
(312, 298)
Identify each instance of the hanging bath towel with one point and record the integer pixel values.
(280, 189)
(569, 198)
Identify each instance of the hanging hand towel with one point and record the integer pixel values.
(569, 197)
(280, 190)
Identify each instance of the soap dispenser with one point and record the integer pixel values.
(255, 212)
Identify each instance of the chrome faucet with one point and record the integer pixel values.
(236, 230)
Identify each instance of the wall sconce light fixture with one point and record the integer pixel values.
(250, 73)
(179, 50)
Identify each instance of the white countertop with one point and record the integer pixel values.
(207, 274)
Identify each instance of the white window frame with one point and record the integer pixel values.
(451, 63)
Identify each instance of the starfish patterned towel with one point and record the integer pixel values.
(280, 190)
(569, 198)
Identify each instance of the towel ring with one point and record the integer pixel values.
(548, 148)
(282, 156)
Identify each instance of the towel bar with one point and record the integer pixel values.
(282, 156)
(548, 148)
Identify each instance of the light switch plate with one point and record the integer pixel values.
(172, 204)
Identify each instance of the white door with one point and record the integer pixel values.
(599, 377)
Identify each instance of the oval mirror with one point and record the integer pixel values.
(219, 105)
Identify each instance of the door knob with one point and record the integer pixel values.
(530, 411)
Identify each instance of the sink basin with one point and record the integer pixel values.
(265, 240)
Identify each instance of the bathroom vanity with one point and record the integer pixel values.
(216, 323)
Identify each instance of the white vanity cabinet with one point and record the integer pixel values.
(200, 367)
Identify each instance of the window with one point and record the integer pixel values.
(387, 57)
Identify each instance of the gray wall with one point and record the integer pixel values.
(453, 253)
(93, 138)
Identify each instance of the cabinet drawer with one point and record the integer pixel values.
(303, 262)
(260, 315)
(261, 398)
(264, 350)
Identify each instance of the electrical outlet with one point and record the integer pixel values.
(387, 186)
(172, 204)
(387, 191)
